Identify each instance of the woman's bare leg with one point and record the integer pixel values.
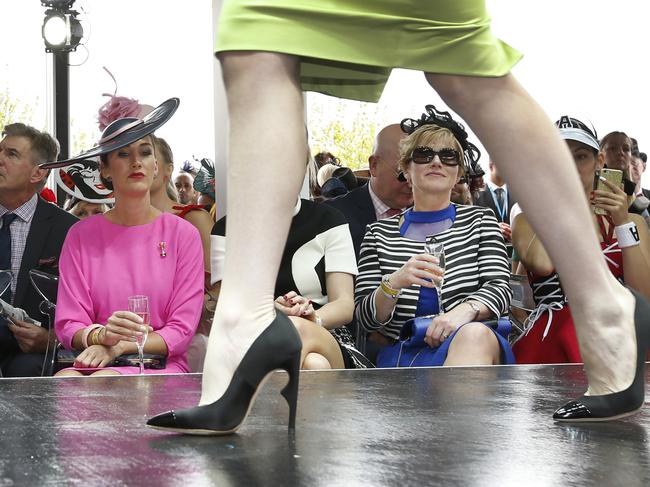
(315, 361)
(474, 344)
(68, 373)
(266, 166)
(105, 372)
(317, 340)
(540, 170)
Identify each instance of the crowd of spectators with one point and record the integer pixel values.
(355, 269)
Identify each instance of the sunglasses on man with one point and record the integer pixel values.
(424, 155)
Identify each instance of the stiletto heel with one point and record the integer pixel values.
(290, 391)
(619, 404)
(278, 347)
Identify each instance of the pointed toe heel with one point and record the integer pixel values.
(278, 347)
(164, 420)
(617, 405)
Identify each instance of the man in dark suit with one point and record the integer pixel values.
(497, 197)
(32, 232)
(384, 195)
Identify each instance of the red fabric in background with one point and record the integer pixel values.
(48, 195)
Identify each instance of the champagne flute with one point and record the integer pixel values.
(437, 249)
(140, 306)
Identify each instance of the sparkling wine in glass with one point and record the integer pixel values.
(140, 306)
(437, 249)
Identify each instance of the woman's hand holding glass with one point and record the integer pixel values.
(123, 325)
(615, 202)
(293, 304)
(421, 269)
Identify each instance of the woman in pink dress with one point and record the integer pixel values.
(133, 249)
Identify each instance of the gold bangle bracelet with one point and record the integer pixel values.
(91, 338)
(94, 339)
(389, 291)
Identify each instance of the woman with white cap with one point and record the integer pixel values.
(550, 335)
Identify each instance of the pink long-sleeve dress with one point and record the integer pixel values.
(103, 263)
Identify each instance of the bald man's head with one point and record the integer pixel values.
(387, 142)
(184, 183)
(383, 168)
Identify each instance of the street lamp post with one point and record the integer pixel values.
(62, 33)
(61, 88)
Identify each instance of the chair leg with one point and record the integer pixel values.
(52, 346)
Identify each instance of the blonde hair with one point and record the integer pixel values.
(164, 155)
(428, 134)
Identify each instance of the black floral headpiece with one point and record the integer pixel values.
(433, 116)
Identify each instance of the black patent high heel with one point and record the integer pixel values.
(278, 347)
(619, 404)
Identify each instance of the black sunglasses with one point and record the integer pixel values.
(424, 155)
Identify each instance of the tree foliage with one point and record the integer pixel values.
(81, 139)
(345, 128)
(12, 110)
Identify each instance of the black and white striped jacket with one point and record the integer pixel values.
(476, 267)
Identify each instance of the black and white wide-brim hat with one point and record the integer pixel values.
(81, 179)
(123, 132)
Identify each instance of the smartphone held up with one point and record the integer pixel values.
(614, 176)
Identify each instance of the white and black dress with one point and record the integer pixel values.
(319, 242)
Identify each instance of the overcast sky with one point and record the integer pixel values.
(582, 57)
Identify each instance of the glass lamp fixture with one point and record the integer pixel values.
(61, 30)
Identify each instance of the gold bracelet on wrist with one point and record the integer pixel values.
(387, 289)
(92, 337)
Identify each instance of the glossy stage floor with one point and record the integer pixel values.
(454, 426)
